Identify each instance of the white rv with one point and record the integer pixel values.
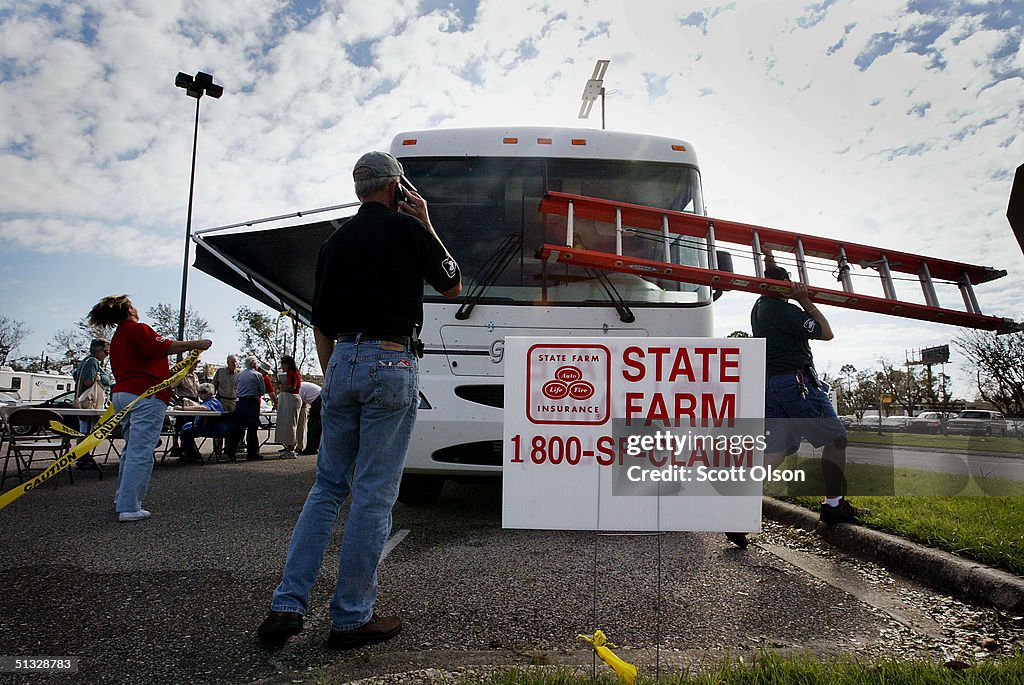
(484, 186)
(34, 387)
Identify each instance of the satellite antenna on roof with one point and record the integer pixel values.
(593, 89)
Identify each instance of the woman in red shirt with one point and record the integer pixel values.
(288, 405)
(138, 358)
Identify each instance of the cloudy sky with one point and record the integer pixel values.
(891, 123)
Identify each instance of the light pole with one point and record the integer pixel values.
(195, 87)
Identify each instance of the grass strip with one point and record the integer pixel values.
(770, 668)
(971, 516)
(971, 443)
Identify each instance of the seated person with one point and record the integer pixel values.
(202, 427)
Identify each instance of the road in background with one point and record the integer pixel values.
(1009, 467)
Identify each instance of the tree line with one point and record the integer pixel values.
(995, 362)
(263, 335)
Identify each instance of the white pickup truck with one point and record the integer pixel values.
(977, 422)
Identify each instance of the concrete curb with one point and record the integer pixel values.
(941, 570)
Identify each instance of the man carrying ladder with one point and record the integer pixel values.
(796, 402)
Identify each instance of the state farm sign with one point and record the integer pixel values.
(596, 429)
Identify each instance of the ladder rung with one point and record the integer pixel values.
(667, 237)
(568, 224)
(844, 271)
(758, 264)
(801, 262)
(618, 231)
(967, 291)
(928, 286)
(712, 252)
(884, 274)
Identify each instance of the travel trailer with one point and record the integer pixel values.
(34, 386)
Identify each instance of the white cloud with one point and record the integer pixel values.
(791, 128)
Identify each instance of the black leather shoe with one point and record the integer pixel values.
(278, 626)
(379, 629)
(844, 512)
(738, 539)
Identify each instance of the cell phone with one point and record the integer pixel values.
(400, 194)
(406, 183)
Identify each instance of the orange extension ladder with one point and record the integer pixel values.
(629, 218)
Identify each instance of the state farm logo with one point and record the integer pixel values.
(568, 384)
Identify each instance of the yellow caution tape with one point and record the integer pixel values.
(58, 427)
(104, 427)
(600, 643)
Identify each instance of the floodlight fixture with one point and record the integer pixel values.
(593, 90)
(199, 85)
(195, 87)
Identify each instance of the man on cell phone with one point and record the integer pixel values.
(367, 309)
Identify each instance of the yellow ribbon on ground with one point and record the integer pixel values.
(104, 427)
(600, 643)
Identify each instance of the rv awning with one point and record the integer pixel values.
(276, 266)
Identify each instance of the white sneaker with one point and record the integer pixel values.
(290, 454)
(133, 515)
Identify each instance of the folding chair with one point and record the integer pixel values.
(35, 437)
(97, 453)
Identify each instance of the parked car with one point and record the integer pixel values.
(64, 400)
(894, 424)
(865, 423)
(933, 422)
(847, 420)
(977, 422)
(1015, 427)
(8, 399)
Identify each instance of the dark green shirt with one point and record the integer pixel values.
(90, 370)
(786, 329)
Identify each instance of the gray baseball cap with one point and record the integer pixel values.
(376, 165)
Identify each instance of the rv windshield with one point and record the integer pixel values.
(487, 207)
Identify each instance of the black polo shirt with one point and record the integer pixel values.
(370, 274)
(787, 330)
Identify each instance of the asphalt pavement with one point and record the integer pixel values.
(176, 598)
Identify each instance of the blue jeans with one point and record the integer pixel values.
(141, 431)
(245, 420)
(369, 400)
(85, 427)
